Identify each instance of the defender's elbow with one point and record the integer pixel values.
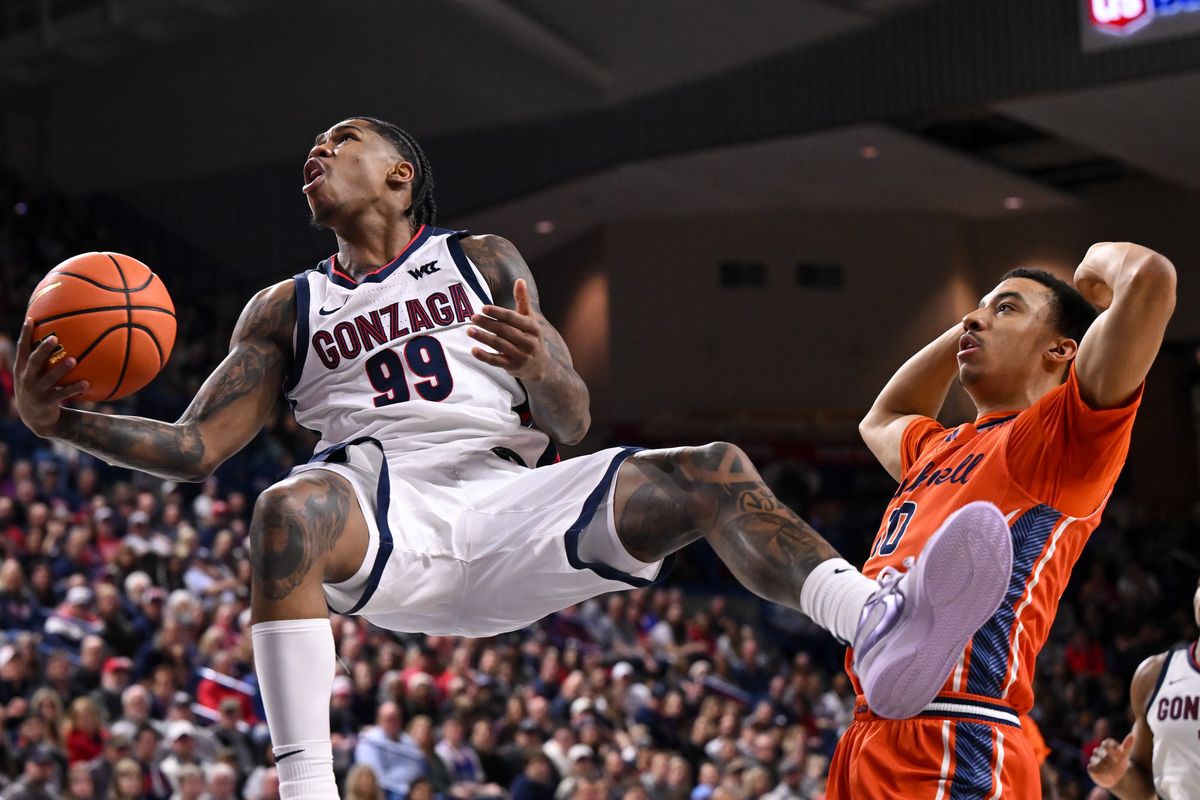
(1152, 285)
(868, 425)
(1155, 271)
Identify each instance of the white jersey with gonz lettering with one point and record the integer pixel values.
(388, 357)
(1173, 715)
(474, 526)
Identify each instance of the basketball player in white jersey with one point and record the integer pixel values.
(1161, 757)
(435, 505)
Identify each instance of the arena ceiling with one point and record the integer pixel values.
(460, 63)
(190, 71)
(144, 97)
(1152, 124)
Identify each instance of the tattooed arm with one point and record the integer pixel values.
(226, 413)
(525, 343)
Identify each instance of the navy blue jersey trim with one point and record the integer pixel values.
(383, 496)
(301, 346)
(1193, 655)
(509, 455)
(381, 274)
(454, 243)
(966, 701)
(1012, 719)
(525, 414)
(990, 644)
(995, 422)
(549, 455)
(1162, 676)
(957, 715)
(973, 754)
(336, 454)
(571, 539)
(523, 407)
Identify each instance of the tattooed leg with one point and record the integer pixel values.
(666, 499)
(306, 531)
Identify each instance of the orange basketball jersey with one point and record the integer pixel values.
(1050, 469)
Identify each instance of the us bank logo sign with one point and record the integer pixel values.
(1124, 23)
(1121, 17)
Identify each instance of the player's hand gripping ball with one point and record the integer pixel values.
(111, 314)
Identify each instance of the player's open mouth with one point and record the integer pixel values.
(967, 344)
(314, 173)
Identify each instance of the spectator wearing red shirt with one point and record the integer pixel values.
(460, 667)
(81, 731)
(1101, 730)
(219, 683)
(1084, 656)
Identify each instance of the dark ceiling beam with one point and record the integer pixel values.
(945, 56)
(530, 36)
(942, 55)
(97, 32)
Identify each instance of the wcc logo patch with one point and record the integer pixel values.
(425, 269)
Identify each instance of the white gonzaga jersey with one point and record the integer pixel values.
(1174, 717)
(388, 357)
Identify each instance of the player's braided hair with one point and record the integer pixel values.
(423, 209)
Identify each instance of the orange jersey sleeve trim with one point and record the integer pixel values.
(1065, 453)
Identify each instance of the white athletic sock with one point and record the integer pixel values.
(295, 661)
(834, 594)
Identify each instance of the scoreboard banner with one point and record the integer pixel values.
(1105, 24)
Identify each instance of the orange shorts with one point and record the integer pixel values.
(966, 749)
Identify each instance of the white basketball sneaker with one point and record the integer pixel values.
(916, 625)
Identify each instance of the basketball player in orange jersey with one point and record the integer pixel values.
(1161, 757)
(422, 358)
(1056, 389)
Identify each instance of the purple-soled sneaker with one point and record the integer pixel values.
(916, 625)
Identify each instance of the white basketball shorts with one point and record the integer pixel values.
(476, 546)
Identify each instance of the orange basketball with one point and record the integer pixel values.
(113, 315)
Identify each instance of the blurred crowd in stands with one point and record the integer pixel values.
(126, 669)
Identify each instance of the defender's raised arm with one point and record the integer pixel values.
(918, 389)
(1135, 288)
